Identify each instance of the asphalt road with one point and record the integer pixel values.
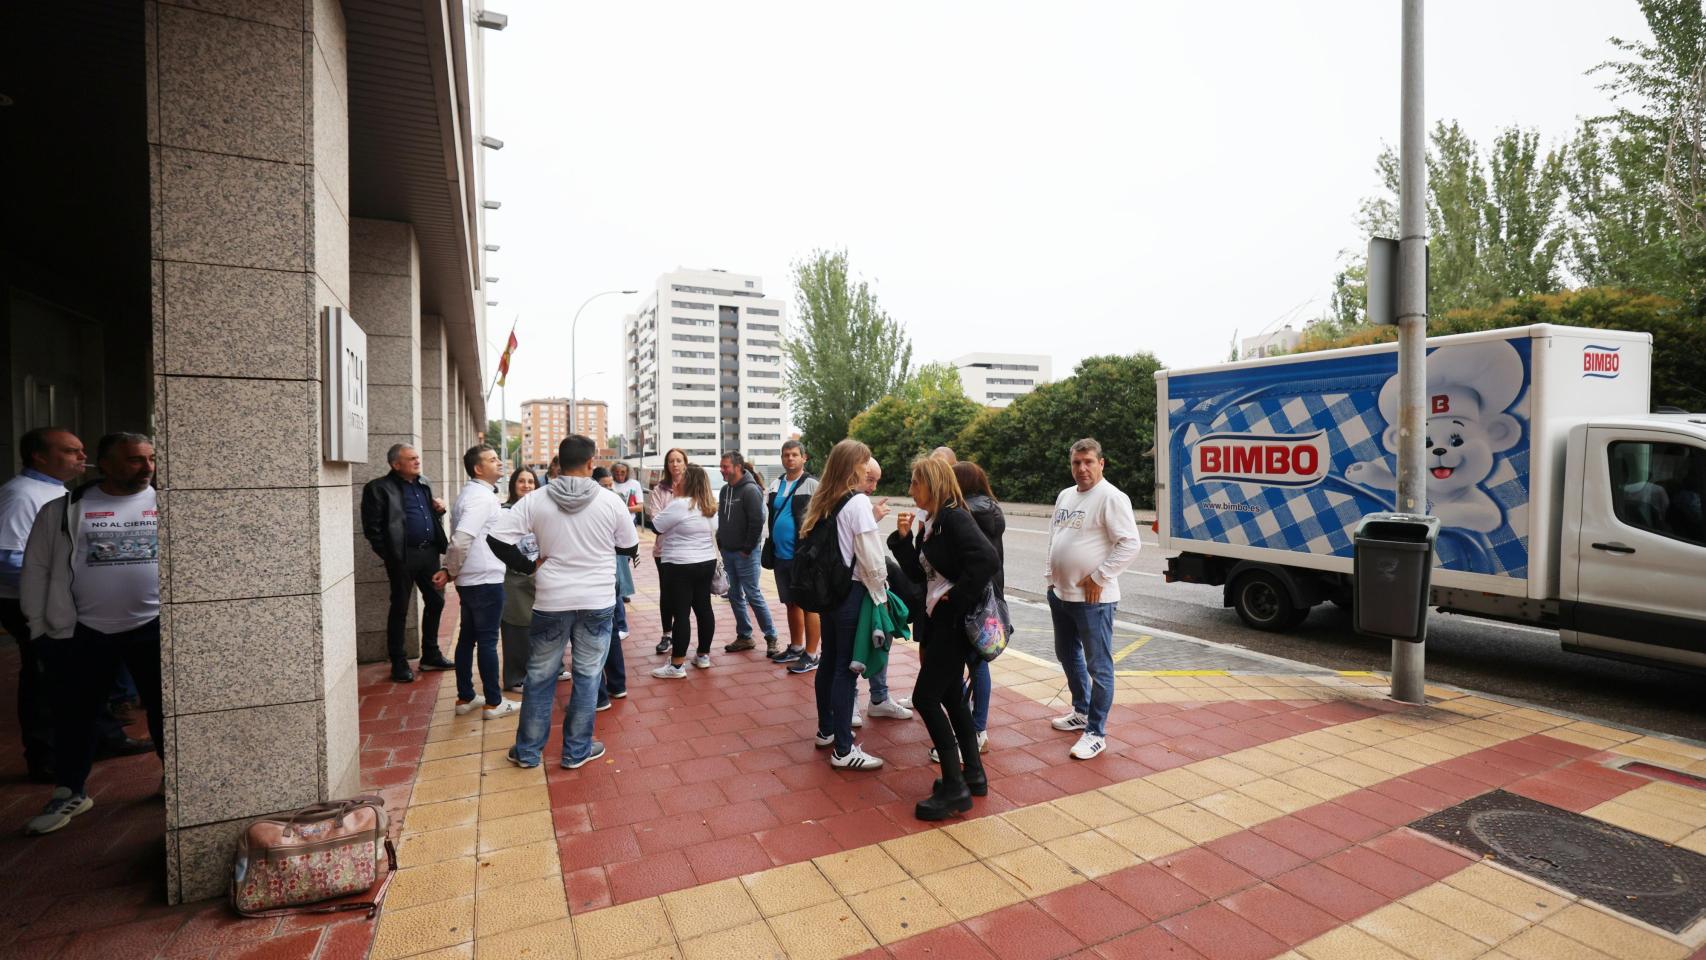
(1518, 662)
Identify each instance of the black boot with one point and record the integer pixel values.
(977, 782)
(944, 801)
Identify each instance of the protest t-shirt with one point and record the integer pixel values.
(116, 560)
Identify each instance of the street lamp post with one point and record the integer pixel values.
(574, 326)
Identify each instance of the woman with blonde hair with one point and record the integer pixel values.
(838, 501)
(663, 493)
(688, 529)
(956, 563)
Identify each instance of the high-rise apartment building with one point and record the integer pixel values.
(703, 363)
(546, 421)
(997, 379)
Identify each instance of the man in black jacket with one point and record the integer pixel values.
(402, 521)
(740, 529)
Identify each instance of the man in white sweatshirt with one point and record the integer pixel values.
(479, 577)
(1092, 539)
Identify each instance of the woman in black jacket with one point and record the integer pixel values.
(986, 510)
(955, 563)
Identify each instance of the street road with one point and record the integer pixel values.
(1518, 662)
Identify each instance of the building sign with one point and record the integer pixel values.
(343, 387)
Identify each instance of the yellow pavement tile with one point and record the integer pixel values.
(622, 930)
(1279, 795)
(971, 891)
(1351, 771)
(1446, 745)
(1301, 753)
(786, 889)
(500, 868)
(1043, 822)
(454, 729)
(860, 869)
(519, 905)
(435, 845)
(516, 831)
(1640, 821)
(1608, 934)
(1349, 943)
(826, 932)
(1544, 943)
(986, 837)
(1405, 929)
(1328, 742)
(1183, 783)
(704, 909)
(899, 910)
(509, 777)
(1141, 796)
(1508, 892)
(1223, 771)
(450, 767)
(933, 851)
(439, 816)
(1465, 912)
(1384, 760)
(1600, 730)
(1194, 823)
(1695, 841)
(1144, 837)
(447, 788)
(444, 749)
(1243, 810)
(1034, 871)
(1313, 781)
(445, 880)
(1669, 800)
(1409, 749)
(1093, 808)
(1261, 760)
(402, 933)
(509, 803)
(554, 940)
(1092, 854)
(745, 942)
(496, 759)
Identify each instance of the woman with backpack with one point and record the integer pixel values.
(663, 493)
(956, 564)
(688, 531)
(839, 541)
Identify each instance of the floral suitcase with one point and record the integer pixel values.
(325, 852)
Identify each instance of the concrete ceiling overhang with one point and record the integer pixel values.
(411, 155)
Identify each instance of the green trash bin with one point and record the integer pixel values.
(1393, 568)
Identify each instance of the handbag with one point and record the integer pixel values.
(988, 625)
(320, 853)
(720, 582)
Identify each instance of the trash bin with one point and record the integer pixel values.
(1393, 567)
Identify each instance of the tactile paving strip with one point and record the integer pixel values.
(1631, 874)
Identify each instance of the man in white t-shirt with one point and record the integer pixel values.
(1092, 539)
(479, 577)
(90, 589)
(580, 527)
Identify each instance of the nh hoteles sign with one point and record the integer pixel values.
(343, 387)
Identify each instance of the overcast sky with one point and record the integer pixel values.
(1060, 178)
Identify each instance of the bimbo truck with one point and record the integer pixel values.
(1563, 502)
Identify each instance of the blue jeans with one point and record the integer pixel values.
(978, 689)
(482, 611)
(615, 679)
(1085, 631)
(834, 681)
(744, 590)
(879, 681)
(587, 633)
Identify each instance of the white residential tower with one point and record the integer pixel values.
(997, 379)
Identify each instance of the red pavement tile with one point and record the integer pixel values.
(596, 785)
(1420, 853)
(1423, 798)
(1151, 891)
(1380, 874)
(1219, 934)
(1557, 795)
(861, 828)
(859, 793)
(1474, 768)
(571, 818)
(1026, 789)
(735, 819)
(751, 786)
(796, 842)
(294, 947)
(702, 769)
(139, 938)
(1256, 854)
(721, 859)
(1090, 913)
(1454, 786)
(1211, 875)
(598, 848)
(587, 889)
(1333, 892)
(1382, 808)
(1149, 943)
(621, 811)
(812, 769)
(1196, 747)
(692, 798)
(767, 758)
(1342, 821)
(637, 779)
(1022, 932)
(954, 942)
(801, 805)
(671, 833)
(649, 876)
(345, 941)
(217, 926)
(1279, 914)
(1079, 777)
(1012, 762)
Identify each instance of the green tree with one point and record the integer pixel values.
(928, 410)
(845, 352)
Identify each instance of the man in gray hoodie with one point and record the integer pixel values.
(740, 529)
(579, 525)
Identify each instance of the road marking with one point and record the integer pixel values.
(1139, 573)
(1355, 673)
(1133, 647)
(1172, 673)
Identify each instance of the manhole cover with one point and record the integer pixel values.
(1634, 875)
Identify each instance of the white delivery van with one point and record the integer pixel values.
(1562, 501)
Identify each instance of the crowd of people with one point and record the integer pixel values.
(543, 574)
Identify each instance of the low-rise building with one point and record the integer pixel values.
(997, 379)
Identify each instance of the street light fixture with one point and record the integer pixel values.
(574, 326)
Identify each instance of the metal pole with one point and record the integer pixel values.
(1409, 659)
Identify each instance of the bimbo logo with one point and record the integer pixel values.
(1298, 460)
(1600, 362)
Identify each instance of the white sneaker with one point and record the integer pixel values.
(502, 708)
(465, 707)
(1072, 721)
(670, 671)
(621, 634)
(566, 675)
(983, 741)
(1088, 746)
(702, 661)
(856, 759)
(889, 708)
(64, 805)
(858, 721)
(905, 703)
(824, 740)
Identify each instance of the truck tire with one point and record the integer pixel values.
(1263, 602)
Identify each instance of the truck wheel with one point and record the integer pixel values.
(1263, 602)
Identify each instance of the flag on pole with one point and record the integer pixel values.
(503, 361)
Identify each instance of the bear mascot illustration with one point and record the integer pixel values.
(1469, 387)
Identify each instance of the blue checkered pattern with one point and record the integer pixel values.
(1320, 519)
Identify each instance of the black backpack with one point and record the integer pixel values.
(820, 579)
